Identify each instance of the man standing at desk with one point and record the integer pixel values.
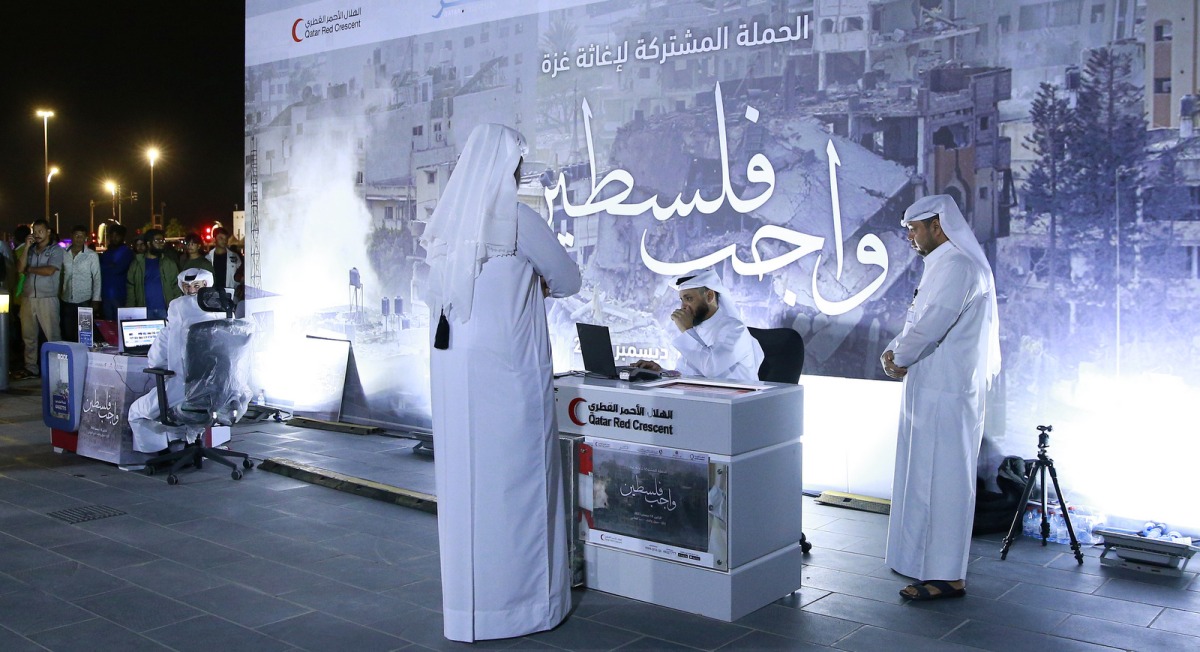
(948, 353)
(712, 341)
(502, 525)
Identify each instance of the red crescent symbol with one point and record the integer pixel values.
(571, 411)
(294, 25)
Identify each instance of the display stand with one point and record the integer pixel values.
(689, 490)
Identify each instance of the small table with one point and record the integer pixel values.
(112, 384)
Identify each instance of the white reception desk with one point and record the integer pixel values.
(689, 489)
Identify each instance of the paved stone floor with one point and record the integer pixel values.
(272, 563)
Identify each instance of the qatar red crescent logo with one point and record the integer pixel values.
(571, 411)
(294, 26)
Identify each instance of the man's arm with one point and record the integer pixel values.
(93, 265)
(730, 347)
(55, 264)
(540, 246)
(950, 295)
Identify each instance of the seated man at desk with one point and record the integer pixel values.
(150, 436)
(712, 341)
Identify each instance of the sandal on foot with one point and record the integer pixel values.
(921, 590)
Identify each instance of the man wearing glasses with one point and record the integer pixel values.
(152, 278)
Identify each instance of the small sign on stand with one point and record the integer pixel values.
(85, 321)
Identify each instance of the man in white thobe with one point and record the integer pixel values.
(502, 527)
(168, 349)
(712, 341)
(948, 353)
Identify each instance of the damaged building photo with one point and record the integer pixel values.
(777, 141)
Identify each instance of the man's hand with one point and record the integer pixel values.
(683, 320)
(889, 366)
(545, 287)
(647, 364)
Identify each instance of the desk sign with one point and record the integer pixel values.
(85, 327)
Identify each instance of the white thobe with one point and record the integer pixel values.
(502, 526)
(944, 345)
(149, 436)
(719, 347)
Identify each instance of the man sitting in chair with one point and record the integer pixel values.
(150, 436)
(712, 341)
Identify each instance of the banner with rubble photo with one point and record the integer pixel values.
(777, 141)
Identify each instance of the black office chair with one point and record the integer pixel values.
(216, 387)
(783, 360)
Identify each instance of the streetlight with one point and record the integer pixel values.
(53, 171)
(152, 154)
(111, 187)
(45, 116)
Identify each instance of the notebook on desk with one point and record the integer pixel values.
(596, 346)
(138, 334)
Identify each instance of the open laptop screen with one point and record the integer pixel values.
(138, 334)
(596, 347)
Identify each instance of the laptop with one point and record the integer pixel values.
(596, 346)
(138, 334)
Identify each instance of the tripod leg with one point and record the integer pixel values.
(1016, 522)
(1045, 494)
(1066, 515)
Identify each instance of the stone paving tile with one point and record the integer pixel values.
(70, 579)
(318, 631)
(138, 609)
(991, 636)
(1120, 635)
(212, 634)
(871, 639)
(900, 618)
(95, 634)
(676, 626)
(1045, 597)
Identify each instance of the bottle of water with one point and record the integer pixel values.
(260, 398)
(1032, 524)
(1152, 530)
(1058, 529)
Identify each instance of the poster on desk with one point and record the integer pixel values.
(652, 500)
(113, 383)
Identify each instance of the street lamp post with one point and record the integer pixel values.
(45, 116)
(152, 154)
(53, 171)
(111, 187)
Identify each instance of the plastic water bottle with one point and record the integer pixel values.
(260, 398)
(1152, 530)
(1058, 529)
(1029, 524)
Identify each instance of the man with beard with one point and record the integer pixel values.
(947, 355)
(151, 279)
(712, 342)
(41, 262)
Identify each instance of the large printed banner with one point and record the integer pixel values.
(777, 141)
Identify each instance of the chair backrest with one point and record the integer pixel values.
(783, 354)
(217, 362)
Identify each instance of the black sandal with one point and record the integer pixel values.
(922, 592)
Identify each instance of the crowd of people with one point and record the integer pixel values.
(49, 277)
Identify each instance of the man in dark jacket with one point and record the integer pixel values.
(151, 278)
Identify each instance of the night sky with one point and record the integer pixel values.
(120, 77)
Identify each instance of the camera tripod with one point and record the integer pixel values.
(1038, 472)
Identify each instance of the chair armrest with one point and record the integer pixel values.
(158, 371)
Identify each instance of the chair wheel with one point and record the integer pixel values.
(805, 546)
(172, 479)
(148, 470)
(236, 475)
(247, 464)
